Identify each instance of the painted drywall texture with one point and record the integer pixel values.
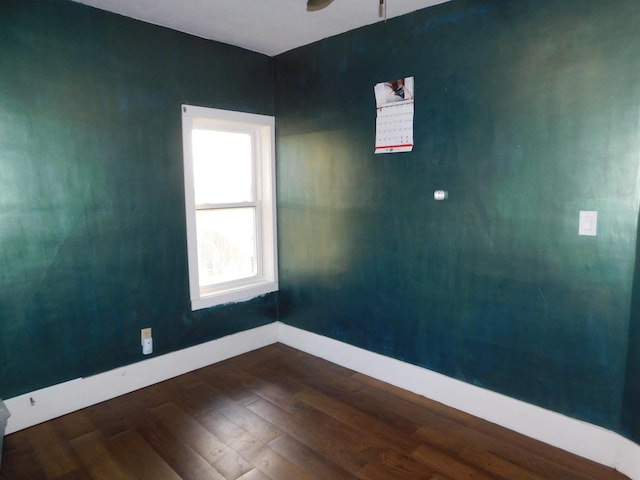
(526, 113)
(631, 404)
(92, 229)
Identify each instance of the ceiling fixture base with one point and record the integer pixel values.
(315, 5)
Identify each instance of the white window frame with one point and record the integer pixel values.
(262, 130)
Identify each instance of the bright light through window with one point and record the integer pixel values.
(222, 167)
(230, 205)
(227, 245)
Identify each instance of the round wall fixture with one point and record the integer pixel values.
(440, 195)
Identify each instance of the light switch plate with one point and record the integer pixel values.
(588, 224)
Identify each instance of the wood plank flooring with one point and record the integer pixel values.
(280, 414)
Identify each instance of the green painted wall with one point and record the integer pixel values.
(631, 405)
(526, 112)
(92, 228)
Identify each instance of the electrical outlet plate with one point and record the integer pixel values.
(145, 333)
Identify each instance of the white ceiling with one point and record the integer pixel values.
(266, 26)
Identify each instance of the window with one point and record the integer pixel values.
(229, 177)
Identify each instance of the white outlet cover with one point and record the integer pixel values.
(588, 224)
(147, 346)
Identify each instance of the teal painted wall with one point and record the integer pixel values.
(526, 112)
(92, 228)
(631, 405)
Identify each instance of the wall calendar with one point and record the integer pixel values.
(394, 121)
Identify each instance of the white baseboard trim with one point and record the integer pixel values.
(581, 438)
(67, 397)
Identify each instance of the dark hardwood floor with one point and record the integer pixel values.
(280, 414)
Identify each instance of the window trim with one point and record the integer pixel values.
(262, 127)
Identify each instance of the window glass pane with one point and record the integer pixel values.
(226, 245)
(222, 166)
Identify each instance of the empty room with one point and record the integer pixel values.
(291, 239)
